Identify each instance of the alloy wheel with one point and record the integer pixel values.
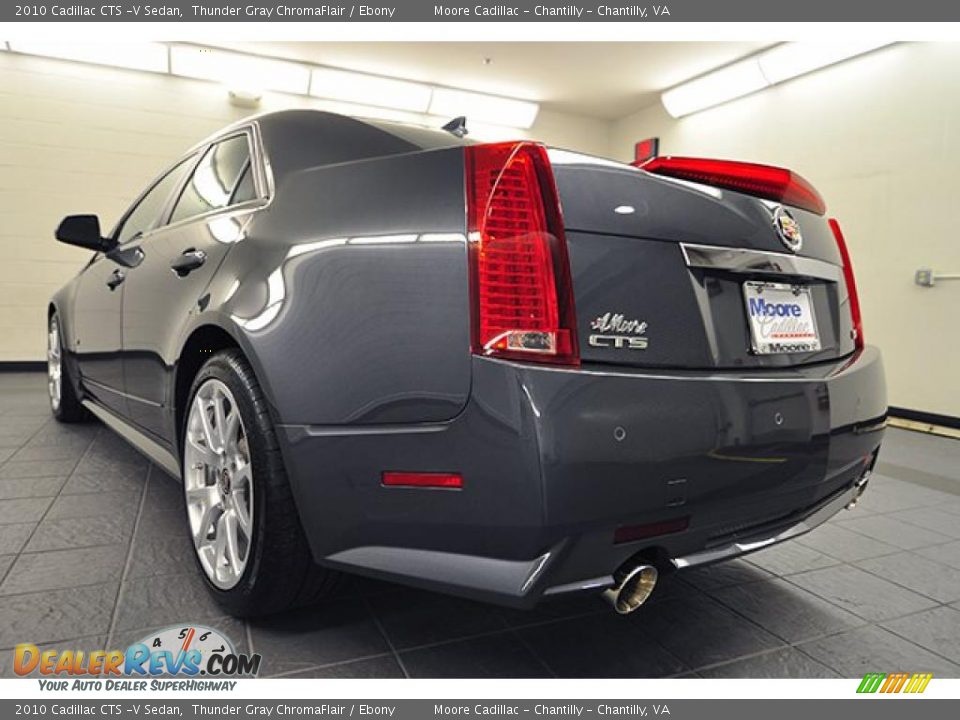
(54, 364)
(218, 484)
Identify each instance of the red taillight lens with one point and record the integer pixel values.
(851, 282)
(520, 275)
(422, 479)
(763, 181)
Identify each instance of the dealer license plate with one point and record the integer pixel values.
(781, 318)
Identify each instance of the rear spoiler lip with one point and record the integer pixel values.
(768, 182)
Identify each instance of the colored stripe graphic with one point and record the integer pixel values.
(871, 682)
(894, 683)
(920, 683)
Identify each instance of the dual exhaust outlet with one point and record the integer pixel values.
(632, 586)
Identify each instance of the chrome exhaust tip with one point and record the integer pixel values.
(632, 588)
(861, 486)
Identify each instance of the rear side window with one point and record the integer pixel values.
(245, 189)
(146, 213)
(212, 184)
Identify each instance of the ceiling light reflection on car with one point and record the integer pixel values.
(383, 239)
(226, 230)
(276, 293)
(276, 289)
(231, 291)
(208, 184)
(304, 248)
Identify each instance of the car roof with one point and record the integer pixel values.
(306, 137)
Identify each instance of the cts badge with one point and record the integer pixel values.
(620, 342)
(788, 229)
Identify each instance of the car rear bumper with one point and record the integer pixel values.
(571, 473)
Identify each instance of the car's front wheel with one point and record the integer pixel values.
(64, 403)
(244, 524)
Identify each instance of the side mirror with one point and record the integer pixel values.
(84, 231)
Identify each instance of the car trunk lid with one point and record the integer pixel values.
(672, 273)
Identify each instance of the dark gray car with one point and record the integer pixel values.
(497, 370)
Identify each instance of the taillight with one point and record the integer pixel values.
(422, 479)
(520, 275)
(765, 181)
(851, 283)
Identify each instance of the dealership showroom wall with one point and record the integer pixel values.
(878, 135)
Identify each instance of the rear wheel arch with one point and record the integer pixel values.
(202, 344)
(278, 570)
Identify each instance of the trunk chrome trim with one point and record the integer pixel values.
(735, 549)
(152, 449)
(740, 260)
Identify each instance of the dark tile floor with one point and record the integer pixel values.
(93, 553)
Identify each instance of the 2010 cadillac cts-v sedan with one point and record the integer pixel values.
(497, 370)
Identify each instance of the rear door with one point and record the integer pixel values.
(179, 260)
(96, 333)
(98, 325)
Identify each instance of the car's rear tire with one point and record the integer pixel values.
(247, 537)
(64, 403)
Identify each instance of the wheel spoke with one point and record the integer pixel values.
(206, 495)
(243, 514)
(207, 554)
(241, 478)
(220, 546)
(230, 430)
(202, 530)
(230, 530)
(205, 424)
(207, 454)
(219, 417)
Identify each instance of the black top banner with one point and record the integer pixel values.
(507, 11)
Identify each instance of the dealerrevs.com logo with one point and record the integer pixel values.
(179, 651)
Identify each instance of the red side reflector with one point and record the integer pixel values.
(851, 282)
(630, 533)
(765, 181)
(412, 479)
(520, 276)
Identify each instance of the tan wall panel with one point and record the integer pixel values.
(879, 136)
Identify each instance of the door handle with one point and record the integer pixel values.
(116, 278)
(188, 261)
